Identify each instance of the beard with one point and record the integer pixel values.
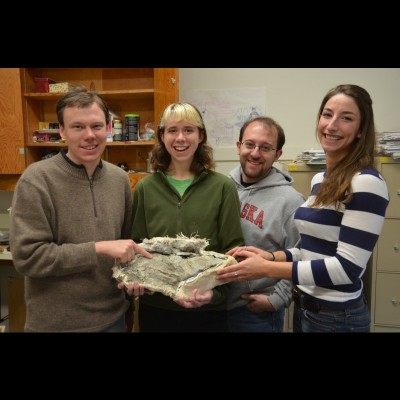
(254, 174)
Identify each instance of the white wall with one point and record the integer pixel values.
(294, 96)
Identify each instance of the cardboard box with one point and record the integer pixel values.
(42, 84)
(60, 87)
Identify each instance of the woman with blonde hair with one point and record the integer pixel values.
(186, 196)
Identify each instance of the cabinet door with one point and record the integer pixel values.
(136, 177)
(302, 181)
(16, 304)
(387, 307)
(391, 173)
(389, 246)
(302, 174)
(12, 158)
(166, 90)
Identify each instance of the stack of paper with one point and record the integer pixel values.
(312, 157)
(388, 143)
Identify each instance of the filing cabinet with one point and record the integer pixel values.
(385, 264)
(382, 277)
(301, 174)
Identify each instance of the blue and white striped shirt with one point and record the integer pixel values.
(335, 246)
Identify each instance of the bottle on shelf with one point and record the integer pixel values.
(132, 123)
(117, 128)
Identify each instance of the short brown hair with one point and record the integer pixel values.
(82, 98)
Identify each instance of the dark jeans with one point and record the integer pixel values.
(241, 319)
(346, 320)
(152, 319)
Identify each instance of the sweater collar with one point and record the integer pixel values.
(78, 170)
(64, 154)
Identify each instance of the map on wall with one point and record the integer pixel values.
(225, 111)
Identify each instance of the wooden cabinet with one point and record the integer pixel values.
(12, 160)
(384, 285)
(135, 178)
(143, 91)
(16, 304)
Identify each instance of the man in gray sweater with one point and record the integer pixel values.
(268, 202)
(71, 218)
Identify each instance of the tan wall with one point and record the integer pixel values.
(293, 96)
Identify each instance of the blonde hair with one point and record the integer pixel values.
(203, 157)
(182, 112)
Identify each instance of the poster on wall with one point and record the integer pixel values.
(225, 110)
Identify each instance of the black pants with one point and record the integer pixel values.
(152, 319)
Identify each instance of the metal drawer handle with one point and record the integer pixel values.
(396, 247)
(394, 301)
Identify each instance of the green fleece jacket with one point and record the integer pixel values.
(209, 208)
(58, 214)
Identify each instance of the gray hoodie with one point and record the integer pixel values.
(267, 209)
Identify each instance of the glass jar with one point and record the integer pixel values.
(117, 129)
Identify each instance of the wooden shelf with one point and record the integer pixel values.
(46, 144)
(112, 144)
(128, 94)
(143, 91)
(108, 95)
(134, 143)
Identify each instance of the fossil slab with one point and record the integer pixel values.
(179, 265)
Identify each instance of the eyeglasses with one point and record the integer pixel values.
(265, 148)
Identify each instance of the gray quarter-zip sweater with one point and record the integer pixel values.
(267, 209)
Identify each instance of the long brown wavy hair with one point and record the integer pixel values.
(336, 187)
